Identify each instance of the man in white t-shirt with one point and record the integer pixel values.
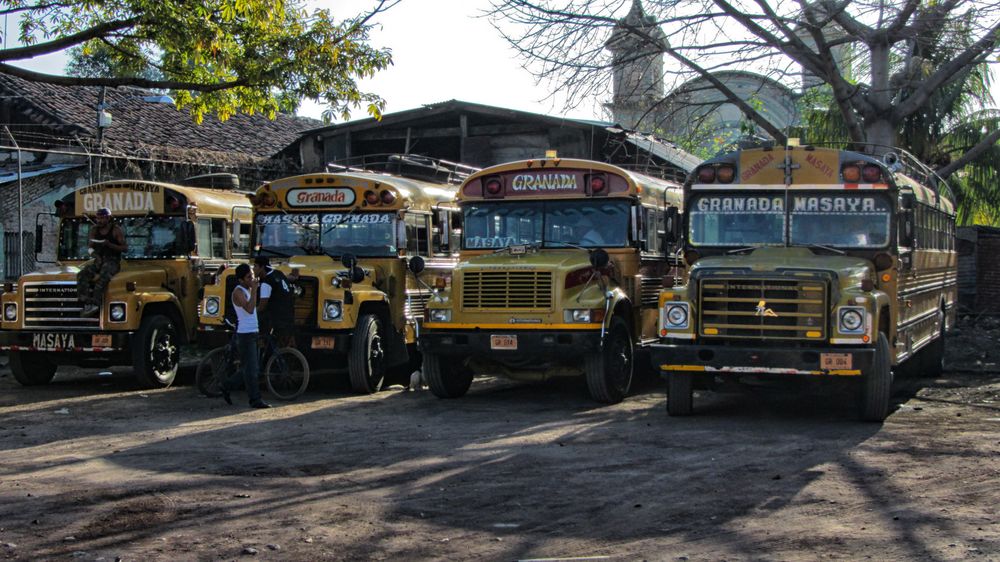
(245, 304)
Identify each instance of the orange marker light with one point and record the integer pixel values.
(886, 277)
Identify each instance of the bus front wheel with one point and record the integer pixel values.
(31, 369)
(446, 379)
(366, 362)
(609, 371)
(155, 352)
(877, 384)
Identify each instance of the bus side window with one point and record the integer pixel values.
(456, 232)
(417, 235)
(654, 231)
(241, 245)
(218, 238)
(205, 238)
(441, 224)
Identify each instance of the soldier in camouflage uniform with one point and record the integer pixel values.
(107, 242)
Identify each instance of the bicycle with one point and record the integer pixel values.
(286, 371)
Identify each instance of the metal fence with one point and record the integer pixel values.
(12, 255)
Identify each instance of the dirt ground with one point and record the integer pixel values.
(94, 469)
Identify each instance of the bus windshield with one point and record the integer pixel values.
(152, 237)
(552, 224)
(761, 219)
(362, 234)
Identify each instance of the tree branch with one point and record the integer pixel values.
(67, 41)
(982, 146)
(948, 72)
(115, 82)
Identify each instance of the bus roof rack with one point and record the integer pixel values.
(413, 166)
(213, 181)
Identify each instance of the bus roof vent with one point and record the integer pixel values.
(213, 181)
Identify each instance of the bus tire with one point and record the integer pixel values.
(31, 369)
(877, 384)
(155, 352)
(366, 361)
(446, 381)
(680, 396)
(609, 372)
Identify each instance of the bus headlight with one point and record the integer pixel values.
(582, 315)
(212, 306)
(440, 315)
(851, 320)
(332, 310)
(117, 312)
(10, 312)
(675, 315)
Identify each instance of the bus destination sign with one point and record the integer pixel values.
(321, 197)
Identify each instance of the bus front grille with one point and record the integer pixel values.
(416, 302)
(781, 309)
(53, 305)
(522, 290)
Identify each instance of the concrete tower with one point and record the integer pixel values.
(637, 60)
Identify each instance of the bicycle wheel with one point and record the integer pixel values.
(213, 369)
(287, 373)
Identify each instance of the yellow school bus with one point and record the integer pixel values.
(149, 308)
(809, 263)
(559, 271)
(349, 236)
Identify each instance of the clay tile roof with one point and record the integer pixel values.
(137, 121)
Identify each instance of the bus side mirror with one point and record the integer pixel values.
(672, 226)
(599, 258)
(415, 264)
(349, 260)
(38, 238)
(357, 274)
(907, 214)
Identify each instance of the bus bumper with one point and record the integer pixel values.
(732, 360)
(65, 342)
(534, 343)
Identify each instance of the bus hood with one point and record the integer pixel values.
(143, 274)
(548, 260)
(848, 270)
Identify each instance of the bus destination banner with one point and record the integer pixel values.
(320, 197)
(123, 199)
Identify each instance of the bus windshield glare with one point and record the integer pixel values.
(760, 219)
(153, 237)
(551, 224)
(362, 234)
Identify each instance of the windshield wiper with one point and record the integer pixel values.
(741, 250)
(827, 248)
(568, 245)
(275, 252)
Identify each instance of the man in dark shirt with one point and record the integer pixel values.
(107, 243)
(276, 307)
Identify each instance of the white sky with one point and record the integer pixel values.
(442, 50)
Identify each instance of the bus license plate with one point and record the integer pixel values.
(323, 342)
(503, 342)
(835, 361)
(100, 340)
